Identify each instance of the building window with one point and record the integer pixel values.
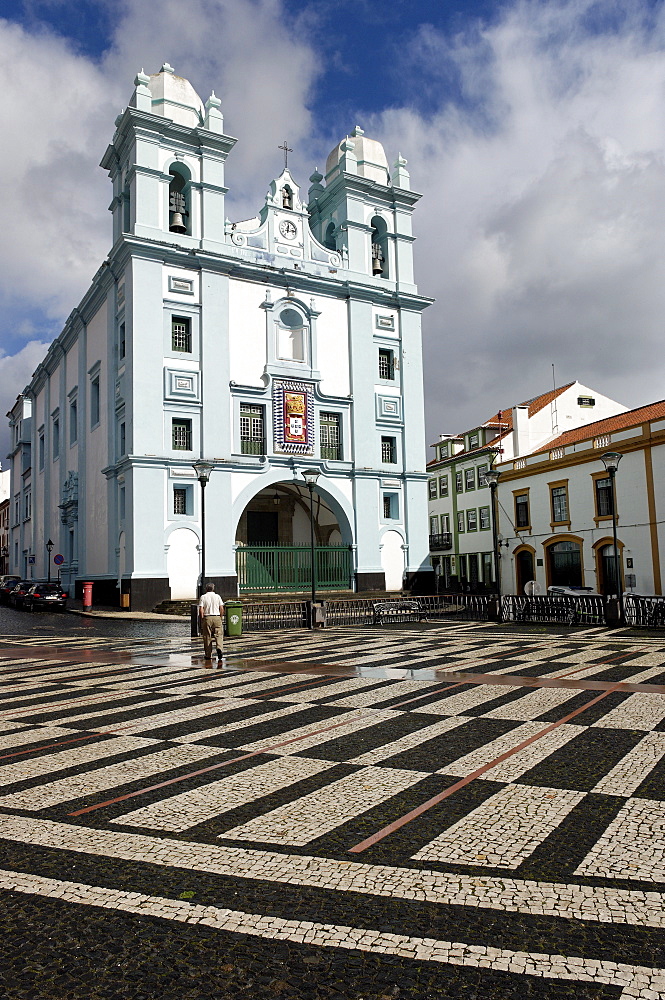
(122, 439)
(331, 438)
(434, 525)
(121, 503)
(94, 402)
(122, 345)
(443, 451)
(386, 364)
(56, 438)
(559, 504)
(73, 422)
(388, 450)
(603, 497)
(182, 500)
(252, 430)
(40, 446)
(459, 483)
(470, 479)
(482, 469)
(473, 440)
(181, 434)
(181, 335)
(17, 508)
(460, 520)
(484, 518)
(443, 486)
(27, 506)
(522, 511)
(431, 486)
(390, 506)
(472, 520)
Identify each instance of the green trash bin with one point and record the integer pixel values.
(233, 613)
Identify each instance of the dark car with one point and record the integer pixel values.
(47, 596)
(7, 584)
(17, 594)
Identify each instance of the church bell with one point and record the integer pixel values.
(177, 223)
(377, 259)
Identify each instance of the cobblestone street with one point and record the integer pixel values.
(439, 811)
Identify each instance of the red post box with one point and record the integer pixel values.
(87, 596)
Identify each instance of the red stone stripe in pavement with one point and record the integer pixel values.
(425, 806)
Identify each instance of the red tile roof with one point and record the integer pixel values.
(631, 418)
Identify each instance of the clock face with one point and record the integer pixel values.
(288, 229)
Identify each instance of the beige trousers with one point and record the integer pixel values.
(212, 628)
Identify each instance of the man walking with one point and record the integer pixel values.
(210, 613)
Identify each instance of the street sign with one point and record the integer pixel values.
(58, 560)
(31, 560)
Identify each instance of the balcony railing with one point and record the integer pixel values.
(441, 542)
(254, 446)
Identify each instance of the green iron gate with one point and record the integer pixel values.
(289, 567)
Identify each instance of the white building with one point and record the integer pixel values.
(555, 508)
(460, 526)
(285, 342)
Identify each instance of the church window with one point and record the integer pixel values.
(329, 240)
(331, 441)
(178, 212)
(252, 430)
(122, 438)
(73, 422)
(388, 450)
(181, 434)
(94, 402)
(121, 503)
(121, 341)
(55, 442)
(41, 448)
(181, 334)
(291, 336)
(386, 364)
(390, 506)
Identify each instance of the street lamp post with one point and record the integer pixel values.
(310, 476)
(49, 549)
(611, 461)
(203, 470)
(492, 480)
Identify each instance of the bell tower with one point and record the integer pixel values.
(166, 163)
(364, 212)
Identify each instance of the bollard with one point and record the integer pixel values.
(87, 596)
(194, 620)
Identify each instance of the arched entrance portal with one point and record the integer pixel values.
(564, 563)
(606, 568)
(273, 545)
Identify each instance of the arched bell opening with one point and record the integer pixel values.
(179, 207)
(380, 262)
(273, 542)
(329, 240)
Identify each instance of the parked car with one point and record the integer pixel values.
(18, 592)
(47, 596)
(7, 584)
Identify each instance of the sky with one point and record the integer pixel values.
(535, 132)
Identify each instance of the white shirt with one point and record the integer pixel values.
(211, 604)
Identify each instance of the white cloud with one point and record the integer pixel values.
(542, 229)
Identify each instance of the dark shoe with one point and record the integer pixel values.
(219, 653)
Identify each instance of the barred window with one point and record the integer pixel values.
(386, 364)
(181, 335)
(252, 429)
(331, 438)
(180, 500)
(388, 450)
(181, 434)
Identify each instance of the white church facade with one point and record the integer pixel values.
(266, 347)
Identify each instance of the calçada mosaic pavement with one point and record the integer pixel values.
(428, 812)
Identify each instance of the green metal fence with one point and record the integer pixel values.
(289, 567)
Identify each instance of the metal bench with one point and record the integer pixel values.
(395, 612)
